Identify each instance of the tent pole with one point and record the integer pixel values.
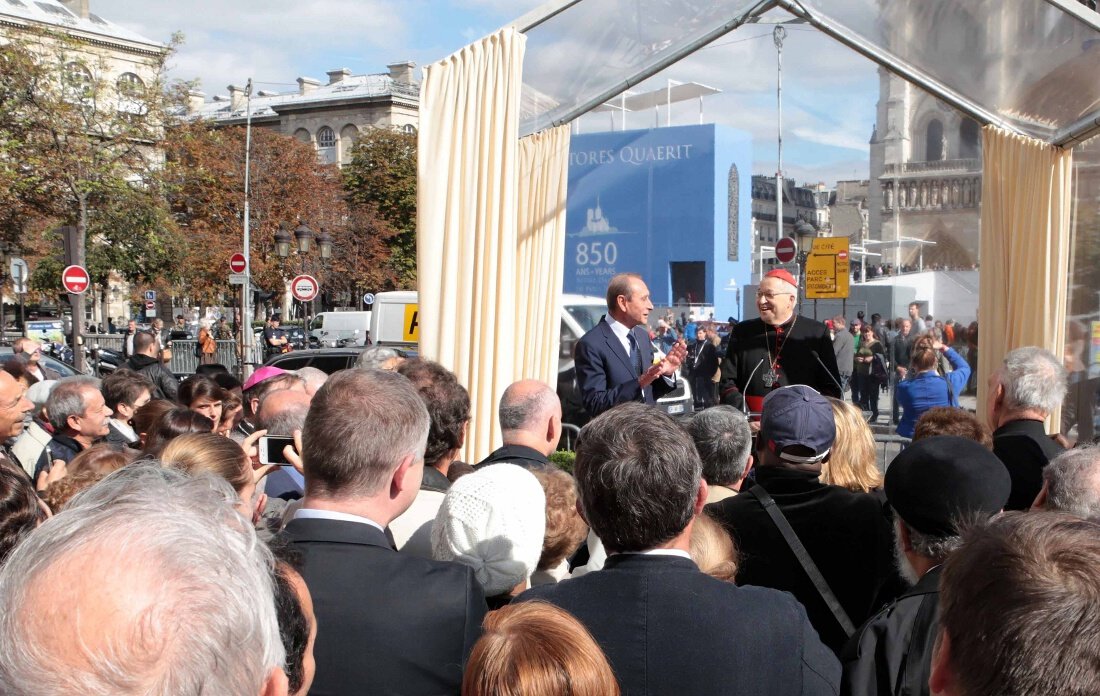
(897, 66)
(648, 71)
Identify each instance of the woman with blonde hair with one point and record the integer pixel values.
(851, 463)
(536, 649)
(197, 453)
(712, 549)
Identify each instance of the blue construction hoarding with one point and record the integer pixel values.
(672, 204)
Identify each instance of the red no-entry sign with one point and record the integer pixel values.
(237, 263)
(785, 250)
(304, 288)
(75, 279)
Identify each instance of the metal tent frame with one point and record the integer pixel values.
(1066, 137)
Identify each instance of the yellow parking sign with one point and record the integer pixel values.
(412, 323)
(827, 270)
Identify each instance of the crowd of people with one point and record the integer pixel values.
(920, 362)
(146, 547)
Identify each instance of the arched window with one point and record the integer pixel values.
(934, 148)
(348, 135)
(409, 128)
(969, 139)
(129, 85)
(78, 80)
(303, 135)
(326, 145)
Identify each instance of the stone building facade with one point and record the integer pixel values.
(98, 52)
(808, 203)
(329, 116)
(926, 177)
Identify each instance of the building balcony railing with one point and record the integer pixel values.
(955, 166)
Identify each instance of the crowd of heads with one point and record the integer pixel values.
(205, 600)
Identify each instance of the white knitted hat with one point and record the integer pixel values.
(493, 520)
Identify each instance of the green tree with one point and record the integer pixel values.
(382, 177)
(80, 150)
(205, 175)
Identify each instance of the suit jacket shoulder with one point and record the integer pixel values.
(393, 623)
(667, 628)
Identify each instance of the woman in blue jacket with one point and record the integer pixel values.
(924, 388)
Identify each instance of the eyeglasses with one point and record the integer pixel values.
(772, 295)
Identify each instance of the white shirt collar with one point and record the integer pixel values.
(315, 514)
(125, 429)
(620, 331)
(656, 552)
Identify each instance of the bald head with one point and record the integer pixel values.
(283, 411)
(530, 414)
(313, 378)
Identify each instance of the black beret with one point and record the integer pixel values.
(937, 481)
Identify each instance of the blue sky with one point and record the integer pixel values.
(829, 92)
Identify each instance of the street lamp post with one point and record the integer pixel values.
(303, 239)
(805, 233)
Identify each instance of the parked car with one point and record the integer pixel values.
(327, 360)
(63, 368)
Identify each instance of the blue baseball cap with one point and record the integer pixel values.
(797, 415)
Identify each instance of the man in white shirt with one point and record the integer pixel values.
(393, 623)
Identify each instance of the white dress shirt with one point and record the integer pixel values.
(315, 514)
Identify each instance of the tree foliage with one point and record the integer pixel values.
(80, 149)
(382, 176)
(205, 175)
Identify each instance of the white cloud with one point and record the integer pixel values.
(276, 40)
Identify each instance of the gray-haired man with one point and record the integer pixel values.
(1027, 387)
(724, 440)
(185, 605)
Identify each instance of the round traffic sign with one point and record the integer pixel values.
(237, 264)
(304, 288)
(368, 298)
(75, 279)
(785, 250)
(842, 255)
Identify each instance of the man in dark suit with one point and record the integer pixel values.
(1028, 386)
(847, 535)
(666, 627)
(390, 623)
(702, 363)
(614, 360)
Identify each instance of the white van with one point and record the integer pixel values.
(396, 323)
(329, 328)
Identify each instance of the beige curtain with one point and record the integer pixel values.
(540, 258)
(1025, 244)
(466, 222)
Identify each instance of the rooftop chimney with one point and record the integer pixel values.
(403, 72)
(77, 7)
(338, 75)
(195, 100)
(307, 85)
(236, 97)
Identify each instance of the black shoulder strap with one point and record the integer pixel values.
(803, 557)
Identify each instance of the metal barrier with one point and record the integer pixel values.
(185, 362)
(568, 439)
(888, 447)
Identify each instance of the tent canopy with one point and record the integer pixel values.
(1027, 66)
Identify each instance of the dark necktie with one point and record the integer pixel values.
(635, 354)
